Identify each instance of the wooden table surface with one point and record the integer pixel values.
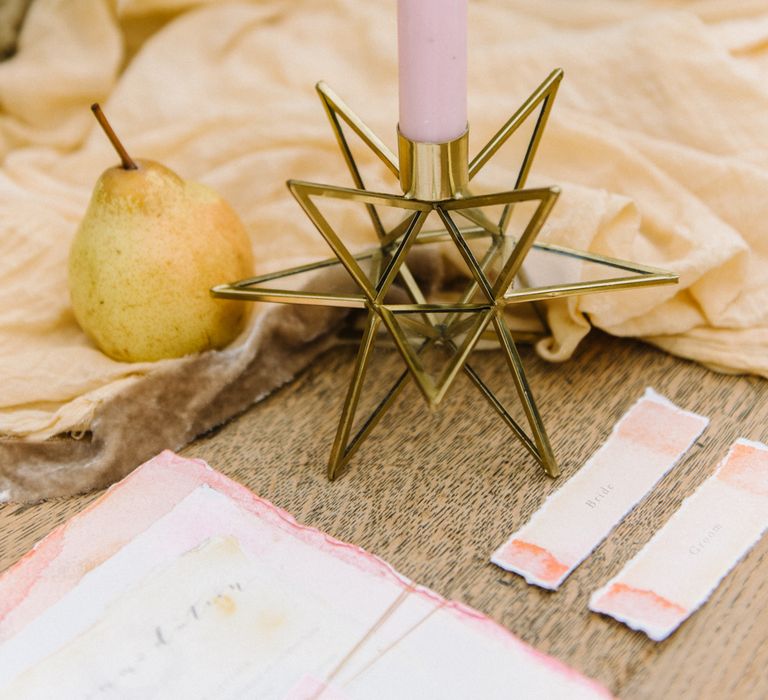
(434, 494)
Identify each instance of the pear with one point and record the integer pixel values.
(147, 252)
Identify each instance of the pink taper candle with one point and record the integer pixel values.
(432, 48)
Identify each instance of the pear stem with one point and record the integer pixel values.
(128, 162)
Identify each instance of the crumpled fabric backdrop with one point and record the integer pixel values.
(658, 138)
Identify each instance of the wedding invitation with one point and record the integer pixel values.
(179, 582)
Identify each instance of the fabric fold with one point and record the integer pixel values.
(657, 139)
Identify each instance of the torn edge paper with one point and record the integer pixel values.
(684, 562)
(427, 636)
(644, 445)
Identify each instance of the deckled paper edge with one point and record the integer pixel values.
(658, 633)
(253, 503)
(530, 578)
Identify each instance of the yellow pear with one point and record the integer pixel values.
(147, 252)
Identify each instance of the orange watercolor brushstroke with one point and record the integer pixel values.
(659, 427)
(638, 603)
(534, 559)
(746, 468)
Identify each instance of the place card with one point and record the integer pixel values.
(644, 445)
(675, 573)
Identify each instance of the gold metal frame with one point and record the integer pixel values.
(435, 178)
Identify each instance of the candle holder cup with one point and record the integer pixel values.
(434, 171)
(503, 269)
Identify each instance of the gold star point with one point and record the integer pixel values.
(495, 276)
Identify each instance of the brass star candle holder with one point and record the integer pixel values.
(504, 269)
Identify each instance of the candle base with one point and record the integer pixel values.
(502, 268)
(434, 172)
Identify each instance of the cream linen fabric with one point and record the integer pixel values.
(658, 138)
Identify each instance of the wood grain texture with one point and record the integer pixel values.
(434, 494)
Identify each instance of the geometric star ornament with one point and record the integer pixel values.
(503, 267)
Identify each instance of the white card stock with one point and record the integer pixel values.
(180, 583)
(683, 563)
(644, 445)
